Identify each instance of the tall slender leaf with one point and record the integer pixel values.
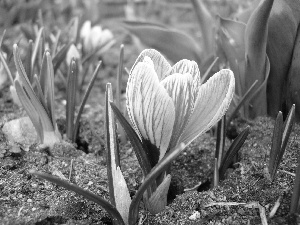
(276, 145)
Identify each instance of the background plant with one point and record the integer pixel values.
(236, 42)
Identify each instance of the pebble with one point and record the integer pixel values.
(196, 215)
(20, 131)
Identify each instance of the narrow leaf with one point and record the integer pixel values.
(276, 145)
(296, 191)
(208, 70)
(28, 62)
(83, 102)
(288, 125)
(118, 190)
(221, 136)
(30, 109)
(244, 99)
(216, 172)
(60, 56)
(36, 47)
(113, 212)
(137, 145)
(232, 151)
(71, 98)
(112, 147)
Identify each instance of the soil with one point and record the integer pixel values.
(28, 200)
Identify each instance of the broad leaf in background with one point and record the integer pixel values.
(207, 26)
(282, 31)
(256, 36)
(230, 40)
(175, 45)
(293, 90)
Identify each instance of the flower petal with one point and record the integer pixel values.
(150, 108)
(191, 67)
(161, 65)
(213, 100)
(179, 87)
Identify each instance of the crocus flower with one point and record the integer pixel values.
(72, 53)
(168, 105)
(94, 37)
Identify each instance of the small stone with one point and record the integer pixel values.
(33, 209)
(29, 200)
(34, 185)
(90, 183)
(20, 131)
(196, 215)
(15, 149)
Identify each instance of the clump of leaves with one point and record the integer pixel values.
(39, 106)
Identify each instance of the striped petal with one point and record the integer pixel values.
(179, 87)
(161, 65)
(150, 108)
(191, 67)
(211, 104)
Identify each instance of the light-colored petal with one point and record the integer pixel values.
(72, 52)
(150, 108)
(85, 29)
(191, 67)
(161, 65)
(96, 35)
(106, 36)
(179, 87)
(212, 102)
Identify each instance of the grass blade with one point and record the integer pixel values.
(71, 99)
(28, 61)
(60, 56)
(36, 47)
(276, 145)
(221, 136)
(244, 99)
(113, 212)
(207, 72)
(83, 102)
(232, 151)
(296, 190)
(288, 126)
(118, 191)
